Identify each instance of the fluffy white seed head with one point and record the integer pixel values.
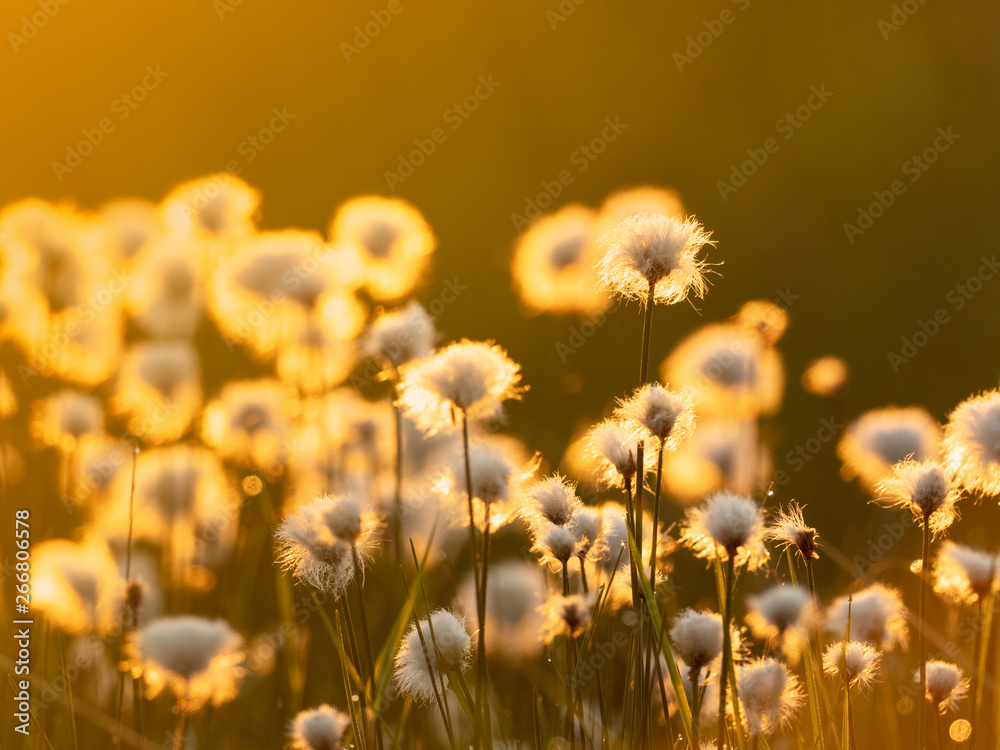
(789, 529)
(659, 413)
(420, 658)
(400, 336)
(319, 728)
(612, 449)
(566, 615)
(972, 443)
(770, 694)
(658, 251)
(858, 663)
(473, 377)
(782, 615)
(697, 636)
(588, 528)
(881, 438)
(551, 501)
(729, 525)
(199, 660)
(965, 575)
(877, 616)
(556, 544)
(946, 685)
(922, 488)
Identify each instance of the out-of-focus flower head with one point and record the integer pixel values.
(783, 616)
(568, 616)
(622, 204)
(554, 264)
(770, 695)
(877, 616)
(126, 225)
(319, 728)
(392, 239)
(500, 469)
(965, 575)
(947, 685)
(158, 390)
(62, 419)
(400, 336)
(198, 660)
(727, 370)
(972, 443)
(825, 377)
(167, 294)
(763, 318)
(249, 421)
(723, 454)
(881, 438)
(472, 377)
(651, 250)
(77, 586)
(217, 207)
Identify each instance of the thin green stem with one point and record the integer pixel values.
(397, 504)
(921, 637)
(694, 674)
(180, 730)
(366, 637)
(727, 649)
(647, 325)
(976, 676)
(656, 517)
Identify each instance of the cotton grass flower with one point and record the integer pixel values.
(629, 202)
(764, 319)
(858, 663)
(946, 685)
(167, 297)
(471, 377)
(126, 225)
(655, 256)
(922, 488)
(200, 661)
(391, 237)
(727, 525)
(515, 590)
(877, 614)
(825, 377)
(782, 616)
(77, 587)
(320, 728)
(611, 449)
(881, 438)
(770, 695)
(554, 264)
(497, 477)
(249, 421)
(659, 413)
(158, 390)
(727, 370)
(64, 418)
(697, 637)
(400, 336)
(723, 453)
(551, 501)
(567, 616)
(326, 542)
(965, 575)
(972, 443)
(219, 206)
(421, 657)
(789, 529)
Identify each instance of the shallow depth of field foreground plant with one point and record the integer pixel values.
(274, 506)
